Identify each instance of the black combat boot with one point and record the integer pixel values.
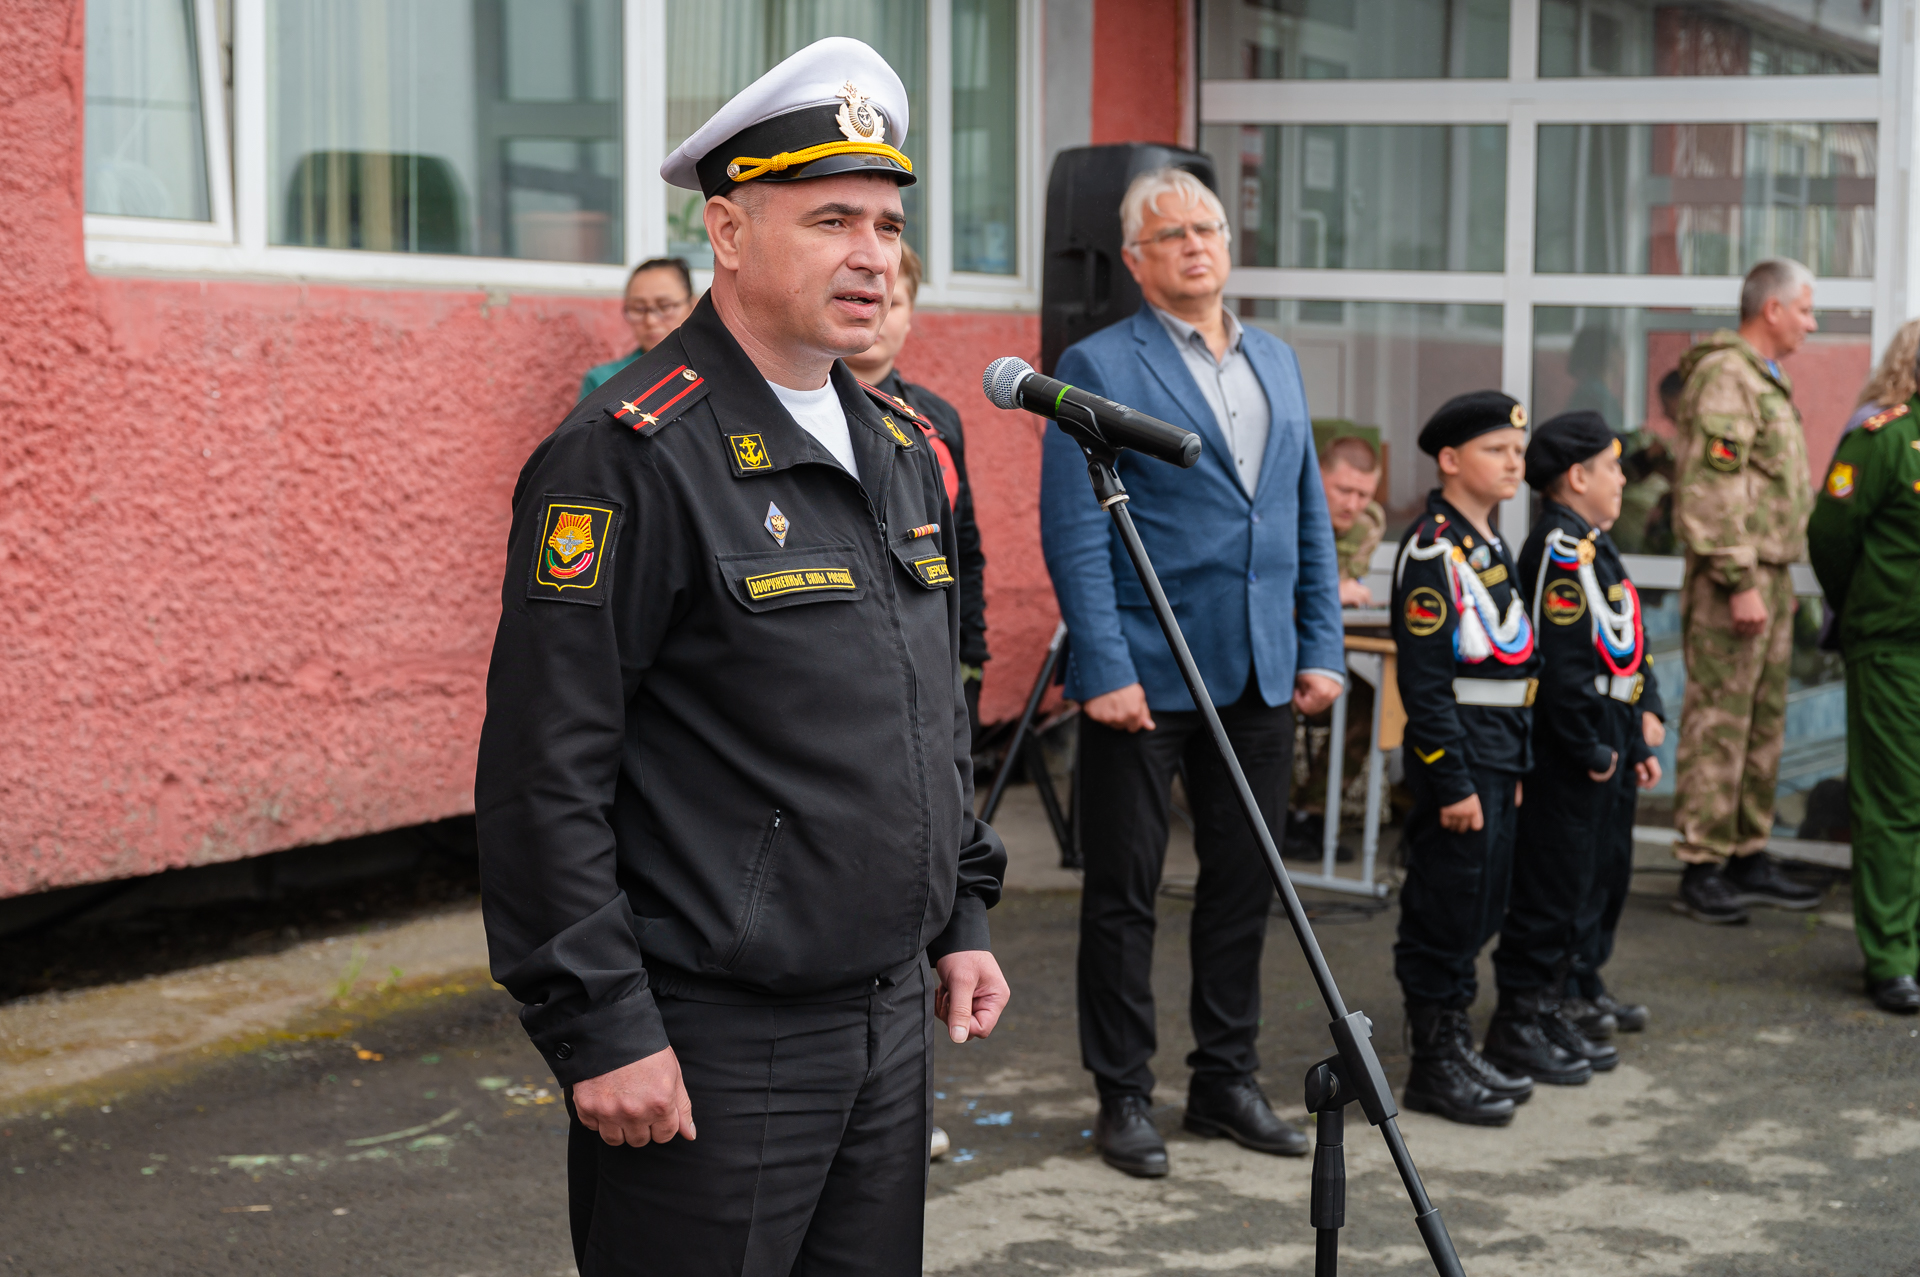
(1517, 1042)
(1441, 1081)
(1508, 1086)
(1707, 896)
(1758, 880)
(1589, 1018)
(1564, 1033)
(1630, 1016)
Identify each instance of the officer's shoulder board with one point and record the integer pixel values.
(1880, 419)
(892, 406)
(1431, 528)
(671, 388)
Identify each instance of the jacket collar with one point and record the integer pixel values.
(1167, 366)
(1458, 528)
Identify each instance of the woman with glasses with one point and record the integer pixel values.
(659, 297)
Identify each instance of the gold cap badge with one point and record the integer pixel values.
(857, 119)
(1518, 417)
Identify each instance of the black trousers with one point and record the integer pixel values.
(1125, 781)
(812, 1151)
(1598, 918)
(1456, 889)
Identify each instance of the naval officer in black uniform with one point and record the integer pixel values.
(724, 793)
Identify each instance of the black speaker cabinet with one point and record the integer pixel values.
(1084, 286)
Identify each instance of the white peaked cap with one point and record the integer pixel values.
(815, 76)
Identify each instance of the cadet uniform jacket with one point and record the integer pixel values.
(1466, 651)
(1592, 639)
(1864, 537)
(1741, 491)
(726, 751)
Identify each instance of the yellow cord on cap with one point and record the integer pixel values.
(745, 167)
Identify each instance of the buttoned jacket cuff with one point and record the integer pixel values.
(966, 929)
(604, 1039)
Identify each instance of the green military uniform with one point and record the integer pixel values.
(1353, 551)
(1741, 499)
(1864, 539)
(1354, 548)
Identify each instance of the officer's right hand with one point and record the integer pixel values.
(1124, 709)
(1749, 612)
(1463, 816)
(641, 1103)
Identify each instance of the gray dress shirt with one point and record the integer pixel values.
(1231, 390)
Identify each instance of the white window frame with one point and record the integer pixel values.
(1522, 102)
(235, 243)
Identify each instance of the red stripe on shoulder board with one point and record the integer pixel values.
(691, 387)
(640, 399)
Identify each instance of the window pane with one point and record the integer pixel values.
(487, 127)
(1708, 37)
(146, 141)
(715, 48)
(1705, 199)
(986, 148)
(1387, 365)
(1365, 197)
(1355, 39)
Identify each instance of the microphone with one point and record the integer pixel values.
(1012, 383)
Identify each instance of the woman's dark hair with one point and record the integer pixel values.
(666, 263)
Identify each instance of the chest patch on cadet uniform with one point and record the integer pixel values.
(1425, 611)
(1494, 575)
(777, 525)
(1482, 555)
(1723, 454)
(1564, 602)
(576, 537)
(1840, 480)
(933, 570)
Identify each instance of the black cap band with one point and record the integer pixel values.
(796, 131)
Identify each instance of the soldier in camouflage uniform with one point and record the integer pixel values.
(1741, 500)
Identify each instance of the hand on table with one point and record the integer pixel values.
(1354, 593)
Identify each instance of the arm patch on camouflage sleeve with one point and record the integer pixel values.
(1724, 454)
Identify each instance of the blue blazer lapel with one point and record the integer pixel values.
(1286, 404)
(1163, 360)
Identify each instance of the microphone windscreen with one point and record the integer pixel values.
(1003, 378)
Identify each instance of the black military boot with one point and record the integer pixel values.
(1517, 1042)
(1441, 1080)
(1515, 1087)
(1706, 896)
(1900, 995)
(1125, 1135)
(1759, 880)
(1631, 1017)
(1589, 1019)
(1565, 1034)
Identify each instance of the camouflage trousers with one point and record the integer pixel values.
(1727, 759)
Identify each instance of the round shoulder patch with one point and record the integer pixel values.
(1564, 602)
(1425, 611)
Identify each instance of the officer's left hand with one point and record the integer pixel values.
(1313, 693)
(1646, 773)
(971, 995)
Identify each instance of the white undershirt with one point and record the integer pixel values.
(821, 415)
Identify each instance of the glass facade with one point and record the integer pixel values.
(447, 126)
(146, 138)
(986, 112)
(1389, 365)
(1705, 199)
(1708, 37)
(1354, 39)
(1365, 197)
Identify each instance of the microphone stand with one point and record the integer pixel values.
(1353, 1072)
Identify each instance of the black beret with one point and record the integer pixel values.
(1469, 416)
(1568, 440)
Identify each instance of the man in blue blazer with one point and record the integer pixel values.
(1244, 548)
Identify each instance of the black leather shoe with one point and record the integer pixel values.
(1507, 1086)
(1125, 1135)
(1706, 896)
(1631, 1017)
(1601, 1057)
(1759, 880)
(1237, 1109)
(1900, 995)
(1517, 1042)
(1440, 1081)
(1589, 1019)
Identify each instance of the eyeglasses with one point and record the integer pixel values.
(640, 310)
(1205, 232)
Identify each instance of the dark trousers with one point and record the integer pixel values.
(1456, 889)
(1561, 831)
(1599, 915)
(812, 1151)
(1125, 780)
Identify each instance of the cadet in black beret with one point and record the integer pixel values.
(1465, 643)
(1596, 721)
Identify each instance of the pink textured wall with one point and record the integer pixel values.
(251, 534)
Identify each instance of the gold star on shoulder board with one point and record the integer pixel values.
(627, 406)
(649, 419)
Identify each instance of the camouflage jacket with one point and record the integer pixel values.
(1353, 549)
(1741, 489)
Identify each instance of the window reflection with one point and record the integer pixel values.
(448, 126)
(1708, 37)
(1387, 365)
(1705, 199)
(1365, 197)
(146, 140)
(1354, 39)
(985, 139)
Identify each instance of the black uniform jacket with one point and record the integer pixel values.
(1452, 738)
(972, 563)
(1572, 719)
(726, 751)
